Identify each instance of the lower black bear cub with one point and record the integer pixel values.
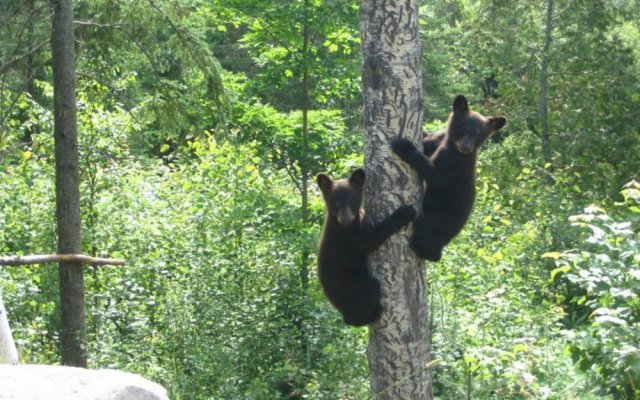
(448, 164)
(342, 260)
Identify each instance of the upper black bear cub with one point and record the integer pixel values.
(448, 164)
(342, 260)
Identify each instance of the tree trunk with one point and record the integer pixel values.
(304, 164)
(8, 352)
(304, 169)
(31, 78)
(544, 72)
(392, 77)
(73, 340)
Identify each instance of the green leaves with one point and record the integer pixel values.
(303, 46)
(192, 152)
(560, 270)
(608, 272)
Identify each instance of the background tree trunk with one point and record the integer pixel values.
(67, 184)
(392, 76)
(544, 73)
(31, 71)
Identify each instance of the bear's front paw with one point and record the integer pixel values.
(401, 146)
(406, 213)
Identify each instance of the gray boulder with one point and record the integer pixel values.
(44, 382)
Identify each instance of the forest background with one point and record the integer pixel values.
(197, 164)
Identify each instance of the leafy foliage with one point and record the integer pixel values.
(192, 160)
(607, 272)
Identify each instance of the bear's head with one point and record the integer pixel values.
(467, 130)
(343, 197)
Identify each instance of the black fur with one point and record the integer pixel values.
(448, 164)
(345, 244)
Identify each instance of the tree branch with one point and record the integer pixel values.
(115, 91)
(97, 25)
(6, 66)
(52, 258)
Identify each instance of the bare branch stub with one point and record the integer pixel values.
(54, 258)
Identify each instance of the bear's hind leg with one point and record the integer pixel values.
(364, 307)
(356, 319)
(426, 239)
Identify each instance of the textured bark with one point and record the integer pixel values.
(31, 79)
(305, 115)
(544, 73)
(73, 340)
(399, 342)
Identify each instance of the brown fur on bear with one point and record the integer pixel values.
(345, 244)
(448, 164)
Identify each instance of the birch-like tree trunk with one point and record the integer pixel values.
(73, 337)
(392, 56)
(8, 352)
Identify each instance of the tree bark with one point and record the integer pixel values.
(31, 78)
(544, 73)
(73, 337)
(304, 165)
(8, 352)
(392, 77)
(305, 114)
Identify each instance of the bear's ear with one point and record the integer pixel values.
(496, 123)
(324, 182)
(357, 176)
(460, 105)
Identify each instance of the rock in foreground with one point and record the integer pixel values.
(44, 382)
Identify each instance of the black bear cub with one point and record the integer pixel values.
(448, 164)
(342, 260)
